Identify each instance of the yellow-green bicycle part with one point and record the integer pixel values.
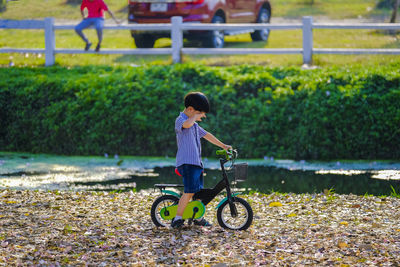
(194, 207)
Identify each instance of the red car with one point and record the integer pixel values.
(203, 11)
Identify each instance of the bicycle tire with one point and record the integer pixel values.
(155, 216)
(246, 213)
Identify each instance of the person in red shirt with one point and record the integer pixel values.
(95, 18)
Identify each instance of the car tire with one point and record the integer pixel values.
(144, 41)
(215, 39)
(263, 17)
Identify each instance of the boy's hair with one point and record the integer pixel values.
(198, 101)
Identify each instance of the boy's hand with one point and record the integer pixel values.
(199, 115)
(227, 147)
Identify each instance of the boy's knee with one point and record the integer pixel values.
(77, 29)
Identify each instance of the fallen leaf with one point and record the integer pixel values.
(342, 245)
(275, 204)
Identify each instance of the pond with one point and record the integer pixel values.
(49, 172)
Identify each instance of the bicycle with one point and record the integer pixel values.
(232, 212)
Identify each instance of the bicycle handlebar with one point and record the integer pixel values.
(229, 155)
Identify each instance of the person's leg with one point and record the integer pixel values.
(186, 197)
(99, 24)
(79, 30)
(191, 184)
(80, 27)
(202, 221)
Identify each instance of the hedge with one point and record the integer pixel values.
(330, 113)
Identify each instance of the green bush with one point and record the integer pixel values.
(346, 113)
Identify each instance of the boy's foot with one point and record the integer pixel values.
(98, 48)
(87, 46)
(202, 222)
(177, 223)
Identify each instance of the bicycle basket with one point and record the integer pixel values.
(240, 172)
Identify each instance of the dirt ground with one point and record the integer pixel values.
(114, 229)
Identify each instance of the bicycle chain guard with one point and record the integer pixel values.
(168, 213)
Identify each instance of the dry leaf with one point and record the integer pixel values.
(275, 204)
(112, 229)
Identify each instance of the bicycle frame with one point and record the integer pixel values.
(207, 195)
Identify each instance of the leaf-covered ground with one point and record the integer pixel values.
(107, 229)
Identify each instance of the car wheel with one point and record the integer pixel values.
(263, 17)
(215, 39)
(144, 41)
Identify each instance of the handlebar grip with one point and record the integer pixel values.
(221, 152)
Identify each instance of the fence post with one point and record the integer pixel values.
(177, 39)
(49, 40)
(307, 40)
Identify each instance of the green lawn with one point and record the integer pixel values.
(278, 39)
(333, 9)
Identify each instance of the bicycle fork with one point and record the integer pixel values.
(232, 206)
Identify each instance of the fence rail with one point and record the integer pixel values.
(177, 27)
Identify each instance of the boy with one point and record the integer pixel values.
(95, 17)
(188, 157)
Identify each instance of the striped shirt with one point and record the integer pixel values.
(188, 140)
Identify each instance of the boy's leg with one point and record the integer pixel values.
(193, 182)
(79, 30)
(178, 222)
(80, 27)
(202, 221)
(99, 24)
(186, 197)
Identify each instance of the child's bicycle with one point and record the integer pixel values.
(232, 212)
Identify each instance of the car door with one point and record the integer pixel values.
(233, 11)
(244, 10)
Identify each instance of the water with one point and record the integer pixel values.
(48, 172)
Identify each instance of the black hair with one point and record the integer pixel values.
(198, 101)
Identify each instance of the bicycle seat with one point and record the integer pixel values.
(177, 172)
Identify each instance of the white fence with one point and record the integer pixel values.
(177, 27)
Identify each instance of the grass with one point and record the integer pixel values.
(394, 193)
(334, 9)
(278, 39)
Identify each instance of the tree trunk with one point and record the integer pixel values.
(394, 13)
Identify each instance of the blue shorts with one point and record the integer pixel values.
(192, 178)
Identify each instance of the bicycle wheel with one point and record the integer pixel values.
(160, 203)
(243, 219)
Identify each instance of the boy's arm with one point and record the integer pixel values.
(114, 18)
(190, 121)
(83, 13)
(214, 140)
(83, 6)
